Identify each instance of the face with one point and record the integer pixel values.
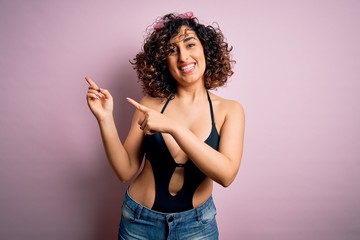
(186, 61)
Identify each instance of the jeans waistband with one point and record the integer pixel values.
(144, 212)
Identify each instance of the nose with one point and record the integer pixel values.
(183, 55)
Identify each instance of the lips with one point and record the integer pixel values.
(187, 68)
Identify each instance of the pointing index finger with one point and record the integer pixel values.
(91, 83)
(137, 105)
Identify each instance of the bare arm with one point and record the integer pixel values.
(124, 159)
(222, 165)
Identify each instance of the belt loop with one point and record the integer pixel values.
(138, 211)
(198, 214)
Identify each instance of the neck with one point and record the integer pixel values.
(191, 95)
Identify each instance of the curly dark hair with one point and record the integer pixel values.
(151, 65)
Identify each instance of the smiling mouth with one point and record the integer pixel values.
(188, 68)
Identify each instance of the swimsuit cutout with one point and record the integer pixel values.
(164, 165)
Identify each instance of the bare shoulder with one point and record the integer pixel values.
(229, 116)
(152, 102)
(227, 107)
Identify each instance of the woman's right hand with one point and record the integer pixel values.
(99, 100)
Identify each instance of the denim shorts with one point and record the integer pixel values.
(139, 222)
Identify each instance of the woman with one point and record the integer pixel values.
(186, 136)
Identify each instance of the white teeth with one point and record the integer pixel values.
(188, 67)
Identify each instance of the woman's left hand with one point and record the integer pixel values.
(151, 121)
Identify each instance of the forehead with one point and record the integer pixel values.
(185, 32)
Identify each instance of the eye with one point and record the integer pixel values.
(172, 50)
(191, 45)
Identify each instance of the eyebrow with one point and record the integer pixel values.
(186, 37)
(189, 38)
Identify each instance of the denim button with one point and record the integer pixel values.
(170, 219)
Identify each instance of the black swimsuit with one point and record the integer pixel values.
(163, 165)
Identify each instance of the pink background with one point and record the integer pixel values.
(297, 75)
